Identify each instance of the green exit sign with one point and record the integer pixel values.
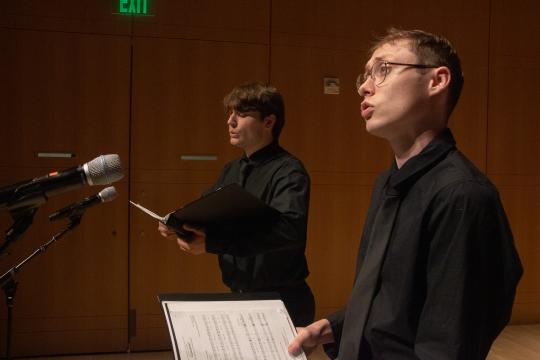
(133, 7)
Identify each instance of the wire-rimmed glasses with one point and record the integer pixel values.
(380, 70)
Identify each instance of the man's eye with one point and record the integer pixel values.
(382, 70)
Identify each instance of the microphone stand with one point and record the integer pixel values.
(9, 285)
(23, 218)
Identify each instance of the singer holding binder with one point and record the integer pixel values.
(259, 258)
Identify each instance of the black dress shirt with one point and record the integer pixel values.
(256, 258)
(449, 273)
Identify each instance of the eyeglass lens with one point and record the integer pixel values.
(377, 73)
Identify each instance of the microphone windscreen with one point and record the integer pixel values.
(104, 170)
(108, 194)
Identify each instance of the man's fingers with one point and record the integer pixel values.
(194, 229)
(184, 246)
(295, 347)
(164, 230)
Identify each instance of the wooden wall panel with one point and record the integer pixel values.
(236, 20)
(63, 93)
(514, 74)
(82, 16)
(178, 89)
(340, 24)
(336, 216)
(514, 136)
(66, 92)
(178, 92)
(325, 131)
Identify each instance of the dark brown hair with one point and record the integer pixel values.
(260, 97)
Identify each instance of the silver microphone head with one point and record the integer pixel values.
(103, 170)
(108, 194)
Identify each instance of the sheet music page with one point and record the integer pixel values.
(230, 330)
(162, 219)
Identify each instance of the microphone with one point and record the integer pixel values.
(103, 170)
(105, 195)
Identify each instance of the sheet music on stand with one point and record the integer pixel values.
(228, 326)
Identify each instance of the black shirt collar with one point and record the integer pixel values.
(263, 154)
(402, 179)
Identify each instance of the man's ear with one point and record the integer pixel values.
(440, 80)
(269, 121)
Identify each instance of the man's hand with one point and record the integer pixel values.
(166, 232)
(195, 244)
(308, 338)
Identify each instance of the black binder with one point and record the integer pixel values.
(229, 207)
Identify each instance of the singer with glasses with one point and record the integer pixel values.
(437, 268)
(253, 259)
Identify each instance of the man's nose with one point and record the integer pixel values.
(366, 88)
(231, 121)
